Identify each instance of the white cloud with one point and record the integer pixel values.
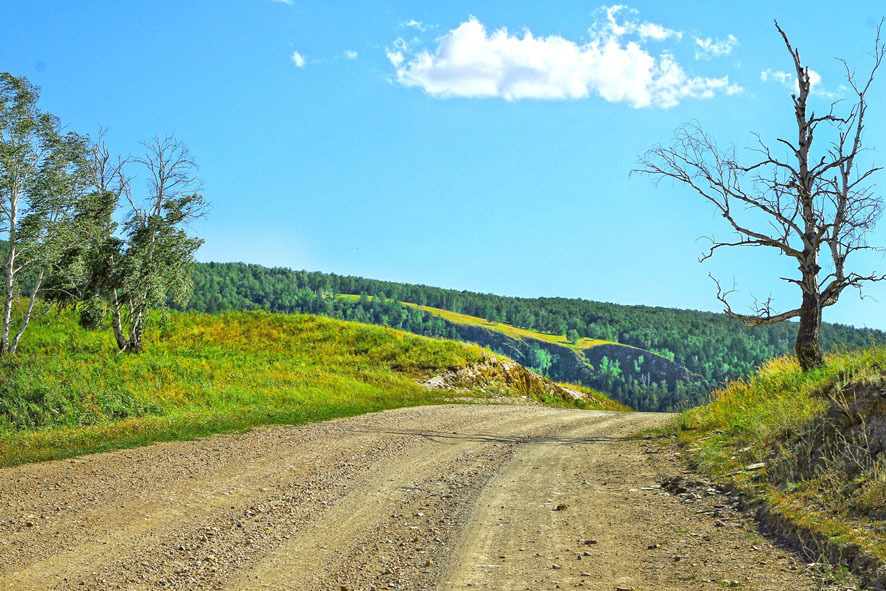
(789, 81)
(298, 59)
(289, 2)
(710, 47)
(414, 24)
(396, 57)
(351, 54)
(783, 78)
(397, 53)
(469, 62)
(631, 26)
(657, 32)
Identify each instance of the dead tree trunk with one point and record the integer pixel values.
(808, 347)
(806, 204)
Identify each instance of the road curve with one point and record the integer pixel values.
(451, 497)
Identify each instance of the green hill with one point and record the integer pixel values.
(711, 347)
(513, 332)
(67, 391)
(654, 382)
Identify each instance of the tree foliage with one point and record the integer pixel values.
(156, 251)
(42, 176)
(125, 269)
(713, 346)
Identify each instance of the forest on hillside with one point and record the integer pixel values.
(713, 346)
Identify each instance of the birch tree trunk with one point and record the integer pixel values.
(9, 287)
(28, 312)
(8, 295)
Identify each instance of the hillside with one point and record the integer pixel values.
(810, 448)
(713, 347)
(67, 391)
(638, 378)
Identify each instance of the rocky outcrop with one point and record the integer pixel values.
(857, 416)
(569, 366)
(499, 375)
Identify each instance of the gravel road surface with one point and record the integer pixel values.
(458, 497)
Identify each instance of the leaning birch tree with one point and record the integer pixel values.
(159, 252)
(814, 203)
(41, 179)
(148, 263)
(93, 262)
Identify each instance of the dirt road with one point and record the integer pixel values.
(447, 497)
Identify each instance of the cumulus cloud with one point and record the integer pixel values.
(710, 47)
(351, 54)
(298, 59)
(789, 81)
(470, 62)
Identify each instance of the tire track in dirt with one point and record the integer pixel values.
(326, 549)
(587, 511)
(449, 497)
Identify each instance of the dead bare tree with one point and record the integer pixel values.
(806, 204)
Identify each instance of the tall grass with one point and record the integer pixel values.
(68, 391)
(782, 418)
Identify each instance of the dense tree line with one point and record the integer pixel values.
(714, 346)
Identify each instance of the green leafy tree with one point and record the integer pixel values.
(572, 335)
(42, 175)
(540, 359)
(95, 260)
(157, 252)
(610, 368)
(147, 262)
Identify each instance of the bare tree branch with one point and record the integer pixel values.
(816, 206)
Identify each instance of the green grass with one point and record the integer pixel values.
(513, 331)
(605, 402)
(779, 416)
(68, 392)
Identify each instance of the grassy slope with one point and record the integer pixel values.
(513, 331)
(775, 417)
(68, 392)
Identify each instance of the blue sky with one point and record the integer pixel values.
(420, 142)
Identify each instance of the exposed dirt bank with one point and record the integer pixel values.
(499, 375)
